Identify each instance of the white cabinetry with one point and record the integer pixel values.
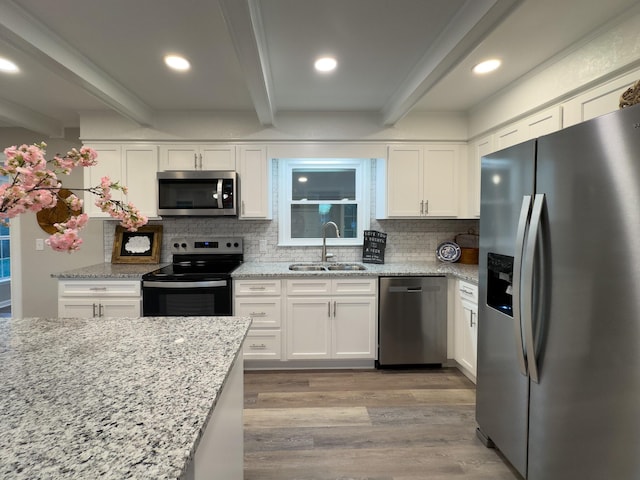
(99, 298)
(132, 165)
(197, 157)
(254, 178)
(331, 318)
(422, 180)
(466, 328)
(260, 300)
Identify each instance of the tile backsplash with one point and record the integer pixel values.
(407, 240)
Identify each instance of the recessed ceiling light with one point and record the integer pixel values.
(325, 64)
(177, 63)
(487, 66)
(8, 66)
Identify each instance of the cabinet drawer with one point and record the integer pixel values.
(354, 286)
(265, 312)
(262, 344)
(98, 288)
(321, 286)
(257, 287)
(468, 291)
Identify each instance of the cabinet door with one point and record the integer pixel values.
(76, 308)
(308, 328)
(120, 308)
(254, 181)
(178, 157)
(140, 164)
(405, 181)
(440, 175)
(109, 165)
(217, 157)
(482, 147)
(265, 311)
(353, 327)
(468, 336)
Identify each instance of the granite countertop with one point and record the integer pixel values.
(114, 398)
(110, 271)
(253, 270)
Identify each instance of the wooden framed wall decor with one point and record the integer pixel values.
(141, 246)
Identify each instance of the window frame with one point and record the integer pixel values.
(286, 167)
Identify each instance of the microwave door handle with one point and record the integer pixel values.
(219, 191)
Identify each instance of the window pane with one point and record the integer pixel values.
(307, 220)
(5, 267)
(326, 184)
(4, 230)
(5, 252)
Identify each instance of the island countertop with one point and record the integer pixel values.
(114, 398)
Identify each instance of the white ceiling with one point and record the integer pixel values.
(256, 55)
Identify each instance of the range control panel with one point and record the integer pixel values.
(212, 245)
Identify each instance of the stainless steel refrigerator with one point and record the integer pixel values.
(558, 381)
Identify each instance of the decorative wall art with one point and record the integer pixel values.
(141, 246)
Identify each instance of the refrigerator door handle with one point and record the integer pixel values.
(523, 221)
(527, 297)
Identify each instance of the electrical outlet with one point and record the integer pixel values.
(39, 243)
(263, 246)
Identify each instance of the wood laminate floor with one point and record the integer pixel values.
(364, 425)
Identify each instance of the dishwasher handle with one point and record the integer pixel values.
(405, 289)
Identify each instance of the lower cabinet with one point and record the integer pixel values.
(466, 328)
(331, 318)
(99, 298)
(261, 300)
(309, 318)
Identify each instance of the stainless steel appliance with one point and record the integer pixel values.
(197, 283)
(559, 313)
(412, 321)
(197, 193)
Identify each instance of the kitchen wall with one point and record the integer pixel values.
(407, 240)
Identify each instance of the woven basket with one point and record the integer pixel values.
(469, 251)
(631, 96)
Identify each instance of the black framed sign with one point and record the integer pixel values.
(141, 246)
(373, 247)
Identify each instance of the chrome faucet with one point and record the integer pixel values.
(324, 238)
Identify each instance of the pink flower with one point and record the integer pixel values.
(34, 187)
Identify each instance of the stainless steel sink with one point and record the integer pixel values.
(304, 267)
(346, 266)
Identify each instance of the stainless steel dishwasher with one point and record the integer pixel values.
(412, 322)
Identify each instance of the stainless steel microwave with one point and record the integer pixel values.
(197, 193)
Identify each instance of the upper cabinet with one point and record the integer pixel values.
(133, 166)
(197, 157)
(423, 181)
(254, 179)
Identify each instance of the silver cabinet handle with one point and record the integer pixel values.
(258, 314)
(257, 288)
(426, 207)
(527, 293)
(523, 221)
(257, 346)
(329, 309)
(98, 289)
(335, 307)
(200, 156)
(100, 310)
(94, 309)
(242, 206)
(467, 291)
(421, 207)
(471, 322)
(195, 161)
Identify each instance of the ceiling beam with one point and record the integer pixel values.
(473, 22)
(19, 116)
(244, 22)
(31, 36)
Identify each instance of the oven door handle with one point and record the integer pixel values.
(204, 284)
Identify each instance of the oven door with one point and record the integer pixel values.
(185, 298)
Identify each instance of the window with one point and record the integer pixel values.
(5, 252)
(316, 191)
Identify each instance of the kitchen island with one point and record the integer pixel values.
(118, 398)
